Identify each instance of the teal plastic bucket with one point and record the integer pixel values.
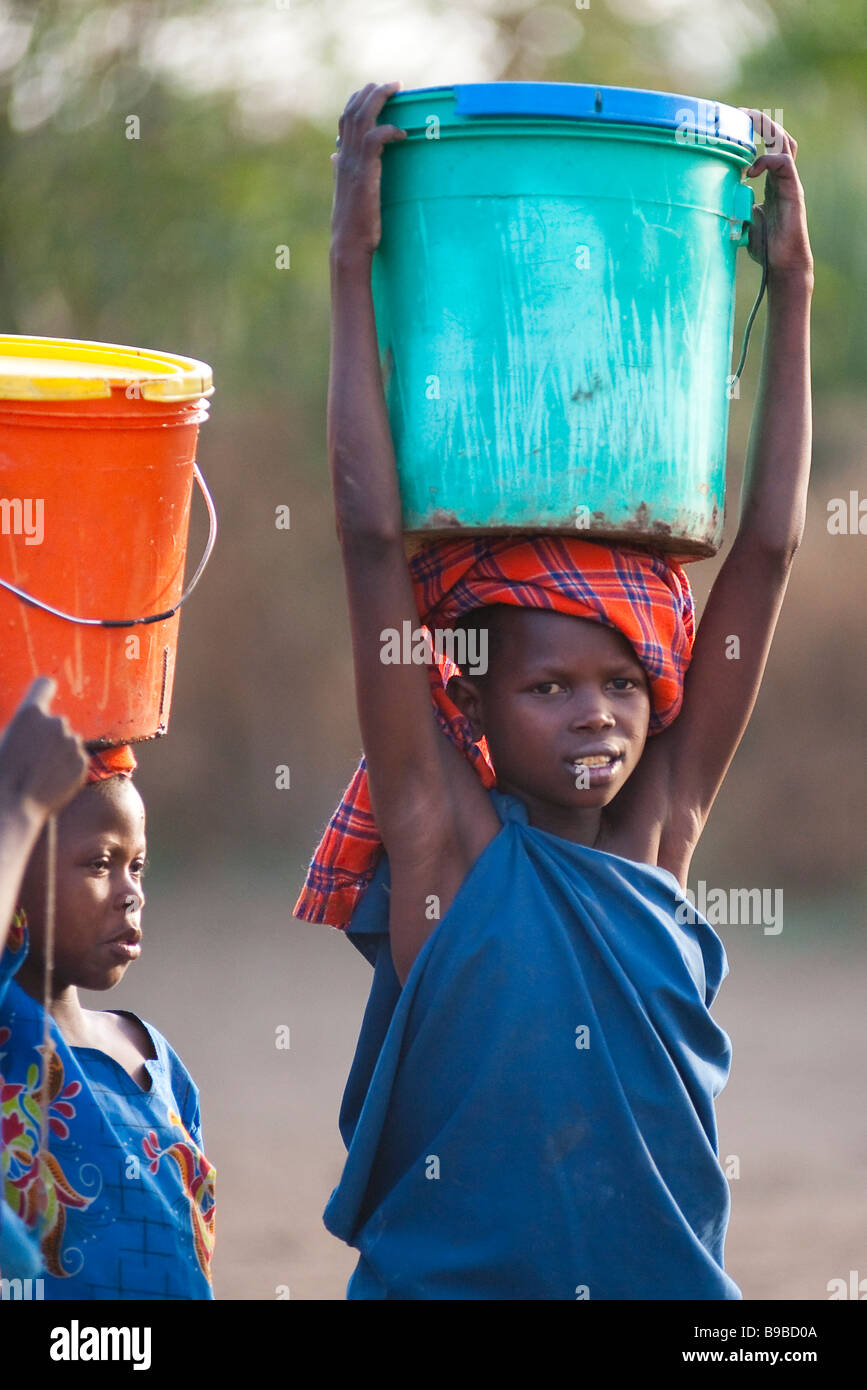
(554, 294)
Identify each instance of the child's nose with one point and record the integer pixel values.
(133, 897)
(592, 714)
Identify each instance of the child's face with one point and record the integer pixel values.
(100, 858)
(559, 687)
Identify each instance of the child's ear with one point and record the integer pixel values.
(468, 698)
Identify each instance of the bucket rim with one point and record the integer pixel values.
(714, 121)
(172, 379)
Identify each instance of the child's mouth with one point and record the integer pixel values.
(126, 945)
(594, 768)
(123, 949)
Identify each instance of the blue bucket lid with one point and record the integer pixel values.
(623, 105)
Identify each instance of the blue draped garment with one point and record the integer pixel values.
(531, 1116)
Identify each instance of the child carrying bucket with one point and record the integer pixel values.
(106, 1191)
(530, 1109)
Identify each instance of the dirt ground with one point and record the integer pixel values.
(226, 967)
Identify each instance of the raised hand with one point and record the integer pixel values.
(356, 226)
(42, 763)
(782, 210)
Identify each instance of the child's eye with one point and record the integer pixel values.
(627, 680)
(547, 688)
(140, 867)
(100, 864)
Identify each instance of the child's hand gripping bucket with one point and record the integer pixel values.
(97, 462)
(554, 295)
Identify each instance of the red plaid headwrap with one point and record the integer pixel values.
(640, 594)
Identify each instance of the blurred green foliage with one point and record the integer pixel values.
(171, 241)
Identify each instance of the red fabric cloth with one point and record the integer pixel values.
(641, 594)
(111, 762)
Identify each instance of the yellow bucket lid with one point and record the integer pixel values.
(64, 369)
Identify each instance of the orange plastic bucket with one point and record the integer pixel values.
(97, 463)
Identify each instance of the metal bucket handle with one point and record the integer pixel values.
(135, 622)
(763, 233)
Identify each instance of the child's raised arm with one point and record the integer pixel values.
(411, 766)
(42, 766)
(724, 676)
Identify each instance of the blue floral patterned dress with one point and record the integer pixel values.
(120, 1204)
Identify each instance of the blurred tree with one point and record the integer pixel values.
(197, 207)
(815, 69)
(164, 228)
(171, 240)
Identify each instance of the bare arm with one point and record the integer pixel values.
(737, 627)
(42, 765)
(398, 733)
(421, 799)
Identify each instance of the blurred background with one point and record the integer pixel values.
(170, 241)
